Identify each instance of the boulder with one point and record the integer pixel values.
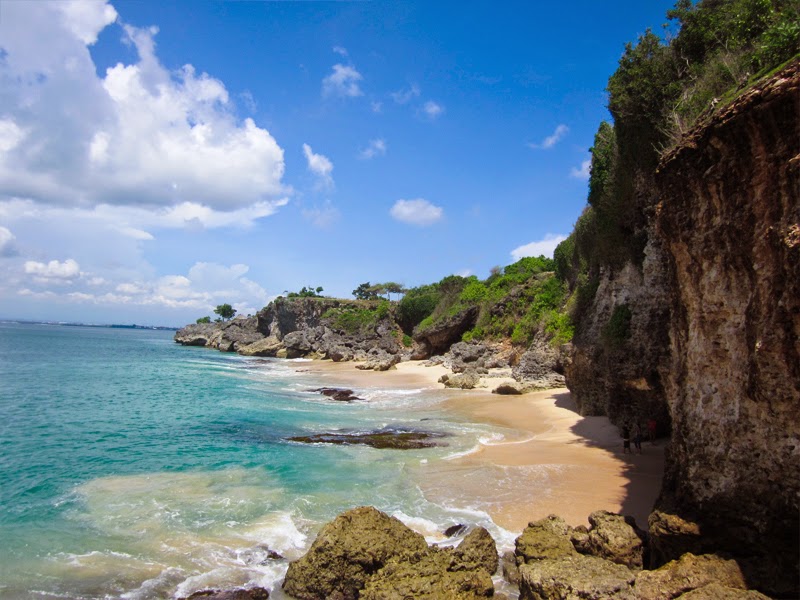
(379, 360)
(672, 536)
(510, 568)
(547, 538)
(263, 347)
(339, 394)
(428, 576)
(464, 356)
(347, 551)
(688, 573)
(256, 593)
(463, 381)
(455, 530)
(509, 389)
(576, 577)
(476, 551)
(616, 538)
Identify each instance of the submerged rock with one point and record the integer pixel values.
(256, 593)
(395, 439)
(340, 394)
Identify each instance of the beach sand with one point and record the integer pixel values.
(550, 461)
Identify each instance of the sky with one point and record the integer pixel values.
(158, 159)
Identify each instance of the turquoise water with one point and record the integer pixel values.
(132, 467)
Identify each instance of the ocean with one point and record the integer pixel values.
(135, 468)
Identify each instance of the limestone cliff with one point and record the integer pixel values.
(729, 219)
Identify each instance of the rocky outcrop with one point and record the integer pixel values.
(689, 573)
(366, 554)
(438, 337)
(730, 222)
(584, 577)
(616, 538)
(227, 336)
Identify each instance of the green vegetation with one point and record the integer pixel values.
(618, 328)
(366, 291)
(225, 311)
(203, 320)
(512, 302)
(306, 292)
(357, 317)
(715, 50)
(407, 341)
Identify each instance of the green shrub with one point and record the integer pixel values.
(407, 341)
(618, 328)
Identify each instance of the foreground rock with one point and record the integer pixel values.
(689, 573)
(616, 538)
(394, 439)
(576, 577)
(366, 554)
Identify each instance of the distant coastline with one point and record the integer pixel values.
(99, 325)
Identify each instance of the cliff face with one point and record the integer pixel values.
(730, 221)
(620, 373)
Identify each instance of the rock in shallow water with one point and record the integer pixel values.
(248, 594)
(395, 439)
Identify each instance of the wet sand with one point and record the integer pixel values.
(550, 460)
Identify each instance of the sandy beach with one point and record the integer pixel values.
(550, 460)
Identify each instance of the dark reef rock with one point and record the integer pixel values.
(394, 439)
(256, 593)
(455, 530)
(339, 394)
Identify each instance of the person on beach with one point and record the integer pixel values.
(626, 439)
(651, 430)
(637, 437)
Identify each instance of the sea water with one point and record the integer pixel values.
(132, 467)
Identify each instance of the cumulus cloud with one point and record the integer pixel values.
(343, 82)
(340, 51)
(545, 247)
(432, 110)
(69, 269)
(417, 212)
(320, 166)
(376, 147)
(7, 243)
(406, 95)
(138, 135)
(582, 172)
(553, 139)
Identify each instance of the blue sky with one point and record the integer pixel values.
(158, 159)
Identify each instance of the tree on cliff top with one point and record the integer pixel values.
(226, 311)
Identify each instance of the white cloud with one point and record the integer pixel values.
(377, 107)
(406, 95)
(320, 166)
(322, 216)
(545, 247)
(343, 82)
(138, 135)
(376, 147)
(86, 19)
(340, 51)
(582, 172)
(7, 243)
(551, 140)
(69, 269)
(432, 109)
(417, 212)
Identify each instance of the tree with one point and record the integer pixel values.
(204, 320)
(364, 292)
(226, 311)
(393, 288)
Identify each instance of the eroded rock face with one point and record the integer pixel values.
(616, 538)
(730, 222)
(437, 338)
(227, 336)
(547, 538)
(347, 552)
